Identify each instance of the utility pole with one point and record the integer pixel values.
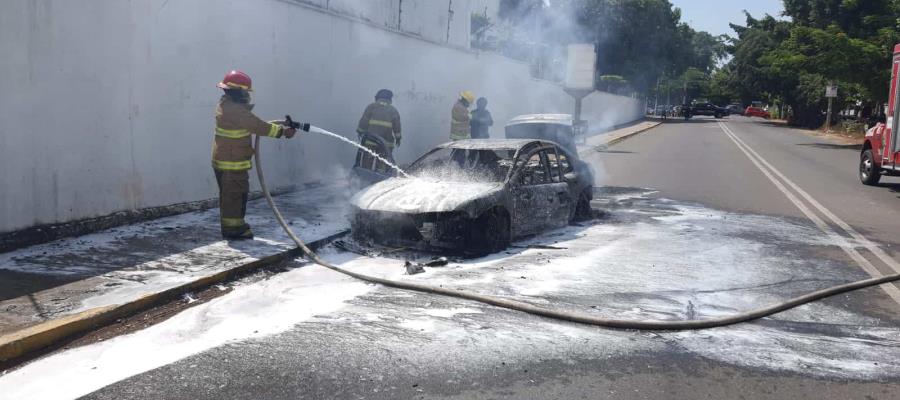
(449, 18)
(668, 94)
(656, 102)
(684, 93)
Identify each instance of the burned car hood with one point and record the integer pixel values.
(416, 195)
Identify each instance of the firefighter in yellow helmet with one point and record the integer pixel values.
(459, 117)
(232, 151)
(382, 120)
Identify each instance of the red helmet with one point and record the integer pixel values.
(236, 80)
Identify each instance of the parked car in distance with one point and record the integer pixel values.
(752, 111)
(708, 109)
(475, 196)
(735, 109)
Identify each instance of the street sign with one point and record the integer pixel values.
(831, 91)
(580, 67)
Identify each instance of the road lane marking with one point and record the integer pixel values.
(848, 248)
(864, 241)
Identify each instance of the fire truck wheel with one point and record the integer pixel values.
(869, 173)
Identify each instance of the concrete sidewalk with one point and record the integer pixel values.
(120, 265)
(612, 137)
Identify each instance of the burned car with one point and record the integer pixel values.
(558, 128)
(475, 196)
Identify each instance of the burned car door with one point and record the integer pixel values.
(566, 192)
(535, 195)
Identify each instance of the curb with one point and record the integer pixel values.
(28, 340)
(628, 135)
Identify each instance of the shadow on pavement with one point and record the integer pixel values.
(606, 150)
(832, 146)
(773, 124)
(694, 120)
(894, 187)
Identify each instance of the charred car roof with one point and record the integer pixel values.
(492, 144)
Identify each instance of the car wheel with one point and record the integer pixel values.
(491, 232)
(868, 171)
(582, 209)
(717, 115)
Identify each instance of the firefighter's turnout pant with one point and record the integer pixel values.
(234, 187)
(367, 161)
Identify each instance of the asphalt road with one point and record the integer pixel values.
(696, 161)
(710, 235)
(699, 161)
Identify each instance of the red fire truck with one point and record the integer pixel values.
(881, 151)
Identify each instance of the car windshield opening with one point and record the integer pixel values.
(558, 133)
(464, 165)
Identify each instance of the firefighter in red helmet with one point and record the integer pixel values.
(233, 150)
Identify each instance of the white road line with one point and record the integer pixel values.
(851, 251)
(865, 242)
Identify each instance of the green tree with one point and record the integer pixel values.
(643, 41)
(847, 42)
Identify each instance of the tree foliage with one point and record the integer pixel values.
(844, 42)
(643, 41)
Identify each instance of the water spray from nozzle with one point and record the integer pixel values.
(316, 129)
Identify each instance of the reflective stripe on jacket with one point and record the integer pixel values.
(381, 119)
(232, 146)
(459, 122)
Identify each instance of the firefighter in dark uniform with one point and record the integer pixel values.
(481, 121)
(380, 119)
(233, 150)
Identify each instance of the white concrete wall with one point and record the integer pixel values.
(108, 105)
(443, 21)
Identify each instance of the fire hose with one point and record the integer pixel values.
(571, 316)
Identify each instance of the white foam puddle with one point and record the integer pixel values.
(423, 325)
(694, 263)
(255, 310)
(449, 313)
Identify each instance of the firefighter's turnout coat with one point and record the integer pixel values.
(235, 122)
(381, 119)
(459, 122)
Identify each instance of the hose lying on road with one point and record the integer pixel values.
(569, 315)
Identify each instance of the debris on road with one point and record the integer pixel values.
(412, 269)
(540, 247)
(419, 267)
(437, 262)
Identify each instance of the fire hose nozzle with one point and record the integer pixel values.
(296, 125)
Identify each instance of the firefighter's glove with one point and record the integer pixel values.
(397, 142)
(289, 132)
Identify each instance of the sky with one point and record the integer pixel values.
(714, 16)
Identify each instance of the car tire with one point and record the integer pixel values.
(582, 209)
(491, 232)
(717, 115)
(869, 174)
